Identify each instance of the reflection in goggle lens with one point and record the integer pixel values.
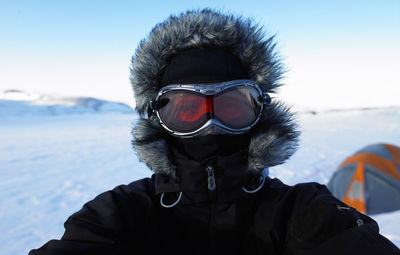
(186, 111)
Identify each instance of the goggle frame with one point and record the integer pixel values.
(210, 89)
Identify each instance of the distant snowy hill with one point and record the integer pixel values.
(17, 102)
(299, 110)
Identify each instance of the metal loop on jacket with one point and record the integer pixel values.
(171, 205)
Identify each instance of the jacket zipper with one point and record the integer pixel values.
(211, 190)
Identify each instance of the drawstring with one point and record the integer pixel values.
(263, 175)
(256, 189)
(170, 205)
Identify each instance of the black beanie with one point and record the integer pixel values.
(202, 65)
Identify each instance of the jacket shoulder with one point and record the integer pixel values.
(105, 224)
(313, 221)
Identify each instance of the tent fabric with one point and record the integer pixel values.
(369, 180)
(376, 149)
(381, 201)
(380, 163)
(395, 153)
(355, 194)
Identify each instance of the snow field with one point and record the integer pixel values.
(51, 165)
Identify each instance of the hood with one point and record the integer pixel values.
(273, 139)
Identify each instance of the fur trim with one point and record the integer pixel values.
(151, 147)
(202, 28)
(274, 139)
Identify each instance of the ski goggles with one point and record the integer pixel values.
(189, 110)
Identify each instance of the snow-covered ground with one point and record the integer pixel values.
(51, 164)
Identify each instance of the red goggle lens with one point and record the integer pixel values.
(238, 107)
(186, 111)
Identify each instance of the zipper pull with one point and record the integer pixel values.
(211, 178)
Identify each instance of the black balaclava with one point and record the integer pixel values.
(205, 65)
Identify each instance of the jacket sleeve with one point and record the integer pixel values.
(325, 225)
(112, 223)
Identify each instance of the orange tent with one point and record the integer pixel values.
(369, 180)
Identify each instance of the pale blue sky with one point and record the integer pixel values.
(337, 53)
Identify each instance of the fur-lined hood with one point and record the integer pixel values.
(274, 138)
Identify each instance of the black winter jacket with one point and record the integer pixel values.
(279, 219)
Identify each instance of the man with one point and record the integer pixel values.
(209, 131)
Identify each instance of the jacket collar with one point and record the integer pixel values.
(230, 173)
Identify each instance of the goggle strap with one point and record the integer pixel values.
(266, 98)
(151, 109)
(154, 105)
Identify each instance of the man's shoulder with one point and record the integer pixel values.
(113, 209)
(141, 187)
(135, 194)
(309, 199)
(309, 215)
(145, 185)
(304, 192)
